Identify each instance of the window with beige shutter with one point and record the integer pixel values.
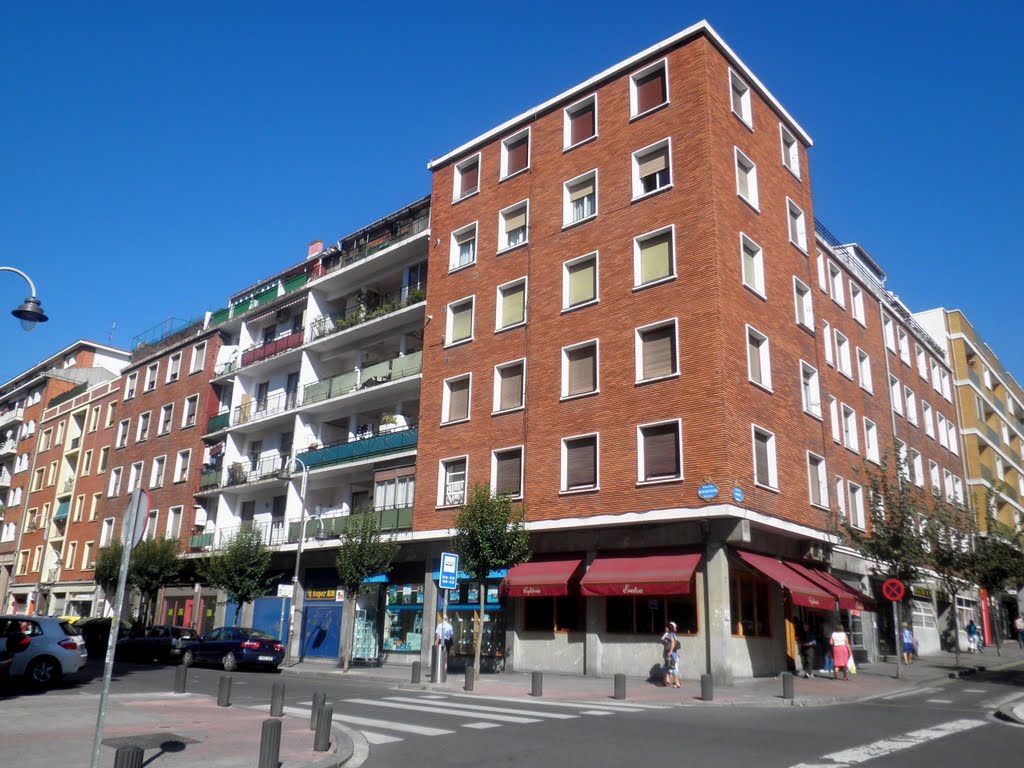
(508, 472)
(513, 226)
(580, 463)
(660, 452)
(657, 351)
(651, 169)
(580, 198)
(758, 361)
(456, 399)
(765, 469)
(649, 89)
(580, 282)
(580, 370)
(509, 387)
(512, 304)
(653, 258)
(460, 321)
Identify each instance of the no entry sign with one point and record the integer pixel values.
(893, 590)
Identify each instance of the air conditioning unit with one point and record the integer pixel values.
(815, 551)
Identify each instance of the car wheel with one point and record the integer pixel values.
(186, 659)
(230, 662)
(44, 671)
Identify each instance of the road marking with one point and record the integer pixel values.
(917, 692)
(938, 701)
(591, 705)
(387, 725)
(501, 710)
(380, 738)
(481, 726)
(899, 743)
(440, 710)
(974, 690)
(1002, 701)
(596, 712)
(622, 706)
(432, 696)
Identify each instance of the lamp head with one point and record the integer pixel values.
(30, 313)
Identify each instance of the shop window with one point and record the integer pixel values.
(650, 615)
(403, 618)
(554, 614)
(750, 605)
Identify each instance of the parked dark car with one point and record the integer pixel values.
(96, 632)
(233, 647)
(157, 642)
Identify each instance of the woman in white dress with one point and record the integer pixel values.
(840, 643)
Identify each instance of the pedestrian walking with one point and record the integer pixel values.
(840, 643)
(1018, 627)
(808, 644)
(907, 637)
(973, 638)
(670, 654)
(443, 639)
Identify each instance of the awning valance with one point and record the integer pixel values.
(850, 599)
(641, 575)
(545, 578)
(803, 592)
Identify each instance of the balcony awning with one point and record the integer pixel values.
(803, 592)
(541, 578)
(62, 511)
(640, 575)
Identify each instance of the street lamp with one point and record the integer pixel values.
(31, 311)
(295, 621)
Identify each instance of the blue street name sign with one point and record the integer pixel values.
(449, 578)
(707, 491)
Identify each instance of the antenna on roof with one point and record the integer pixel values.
(110, 336)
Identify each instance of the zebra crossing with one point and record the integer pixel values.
(392, 719)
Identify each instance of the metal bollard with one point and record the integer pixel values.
(707, 687)
(417, 672)
(277, 700)
(470, 679)
(128, 757)
(224, 691)
(322, 737)
(319, 699)
(787, 685)
(620, 686)
(270, 744)
(180, 678)
(537, 684)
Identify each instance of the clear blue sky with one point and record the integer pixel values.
(155, 158)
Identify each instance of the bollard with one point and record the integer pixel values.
(620, 686)
(707, 687)
(319, 699)
(270, 744)
(417, 672)
(537, 684)
(224, 691)
(277, 700)
(787, 685)
(180, 678)
(470, 679)
(322, 737)
(128, 757)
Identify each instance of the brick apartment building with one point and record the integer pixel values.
(635, 327)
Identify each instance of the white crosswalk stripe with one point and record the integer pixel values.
(380, 738)
(608, 707)
(915, 692)
(500, 710)
(443, 711)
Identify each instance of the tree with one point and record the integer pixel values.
(362, 553)
(998, 557)
(108, 566)
(490, 533)
(154, 564)
(241, 569)
(949, 533)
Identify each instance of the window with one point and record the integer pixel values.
(579, 369)
(739, 95)
(915, 467)
(843, 354)
(122, 434)
(947, 484)
(933, 476)
(174, 515)
(509, 386)
(659, 452)
(904, 345)
(45, 439)
(840, 488)
(759, 368)
(655, 351)
(554, 614)
(857, 303)
(752, 260)
(110, 415)
(94, 507)
(94, 419)
(37, 479)
(76, 516)
(822, 273)
(455, 399)
(452, 485)
(911, 405)
(940, 425)
(156, 475)
(833, 412)
(936, 382)
(648, 89)
(515, 153)
(198, 358)
(580, 463)
(579, 199)
(856, 506)
(114, 487)
(104, 459)
(835, 278)
(460, 321)
(953, 439)
(463, 247)
(86, 463)
(507, 472)
(826, 333)
(151, 374)
(52, 477)
(191, 409)
(926, 415)
(580, 123)
(467, 178)
(72, 555)
(850, 429)
(142, 431)
(166, 417)
(135, 476)
(804, 305)
(511, 305)
(896, 393)
(817, 480)
(889, 333)
(922, 362)
(579, 282)
(790, 151)
(149, 529)
(130, 383)
(864, 370)
(512, 225)
(106, 531)
(809, 390)
(797, 225)
(181, 465)
(947, 391)
(766, 470)
(871, 440)
(652, 168)
(173, 367)
(654, 257)
(746, 178)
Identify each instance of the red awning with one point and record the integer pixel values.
(850, 599)
(641, 575)
(804, 593)
(541, 579)
(814, 576)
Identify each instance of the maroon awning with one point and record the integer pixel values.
(546, 578)
(803, 592)
(814, 576)
(854, 598)
(641, 575)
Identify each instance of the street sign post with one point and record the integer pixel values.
(893, 590)
(447, 580)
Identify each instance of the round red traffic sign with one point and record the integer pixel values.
(893, 590)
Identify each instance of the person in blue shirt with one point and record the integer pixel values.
(908, 644)
(973, 638)
(670, 653)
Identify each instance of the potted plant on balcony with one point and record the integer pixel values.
(416, 295)
(388, 422)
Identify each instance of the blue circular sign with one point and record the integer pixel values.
(707, 491)
(737, 494)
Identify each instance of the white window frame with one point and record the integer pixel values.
(746, 242)
(106, 531)
(135, 474)
(916, 464)
(744, 109)
(896, 394)
(844, 361)
(903, 342)
(864, 371)
(641, 455)
(198, 356)
(458, 236)
(790, 151)
(848, 423)
(803, 304)
(124, 428)
(458, 193)
(503, 169)
(567, 115)
(152, 374)
(835, 284)
(446, 399)
(773, 465)
(442, 480)
(449, 321)
(567, 203)
(857, 514)
(660, 64)
(597, 464)
(145, 418)
(166, 408)
(796, 225)
(499, 302)
(822, 272)
(596, 344)
(496, 403)
(184, 412)
(114, 484)
(928, 418)
(911, 400)
(638, 351)
(817, 475)
(182, 465)
(922, 362)
(857, 304)
(889, 333)
(810, 380)
(593, 255)
(174, 513)
(833, 412)
(764, 354)
(158, 471)
(871, 449)
(173, 368)
(522, 468)
(638, 240)
(826, 333)
(638, 190)
(503, 243)
(745, 167)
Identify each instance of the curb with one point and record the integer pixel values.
(1009, 714)
(343, 747)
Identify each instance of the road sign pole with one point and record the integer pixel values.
(896, 629)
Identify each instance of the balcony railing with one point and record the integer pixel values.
(67, 486)
(273, 533)
(354, 450)
(359, 252)
(52, 575)
(218, 422)
(271, 348)
(388, 519)
(209, 479)
(5, 478)
(991, 435)
(75, 444)
(12, 416)
(371, 375)
(8, 448)
(200, 540)
(255, 410)
(267, 468)
(371, 309)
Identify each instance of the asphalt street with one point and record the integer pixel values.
(946, 723)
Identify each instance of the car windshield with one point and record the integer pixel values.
(255, 634)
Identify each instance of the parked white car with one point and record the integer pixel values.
(55, 648)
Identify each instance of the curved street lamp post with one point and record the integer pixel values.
(30, 313)
(296, 620)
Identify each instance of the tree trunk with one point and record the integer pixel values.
(956, 627)
(479, 633)
(348, 625)
(238, 611)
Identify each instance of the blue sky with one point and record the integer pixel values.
(155, 158)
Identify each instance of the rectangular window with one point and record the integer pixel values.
(822, 273)
(797, 225)
(840, 489)
(864, 370)
(512, 226)
(130, 383)
(933, 476)
(911, 399)
(655, 351)
(953, 439)
(460, 321)
(940, 425)
(947, 391)
(826, 334)
(915, 466)
(817, 480)
(515, 153)
(152, 371)
(746, 178)
(922, 362)
(904, 344)
(759, 368)
(174, 515)
(104, 459)
(142, 430)
(466, 178)
(106, 531)
(463, 247)
(739, 97)
(936, 382)
(87, 558)
(579, 199)
(580, 122)
(835, 279)
(122, 433)
(181, 465)
(809, 390)
(173, 367)
(86, 463)
(452, 485)
(896, 393)
(654, 257)
(857, 303)
(94, 507)
(455, 399)
(659, 452)
(926, 415)
(37, 479)
(856, 506)
(192, 410)
(850, 429)
(52, 477)
(579, 281)
(804, 305)
(45, 439)
(579, 463)
(198, 358)
(648, 89)
(509, 386)
(871, 440)
(94, 419)
(845, 364)
(752, 261)
(901, 455)
(833, 412)
(135, 476)
(114, 486)
(579, 369)
(652, 169)
(790, 151)
(507, 472)
(76, 516)
(156, 475)
(511, 304)
(109, 421)
(72, 556)
(166, 416)
(766, 470)
(888, 333)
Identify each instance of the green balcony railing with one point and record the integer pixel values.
(379, 373)
(388, 519)
(209, 479)
(200, 540)
(220, 316)
(991, 435)
(218, 422)
(354, 450)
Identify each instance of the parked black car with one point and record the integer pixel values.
(232, 647)
(96, 632)
(157, 642)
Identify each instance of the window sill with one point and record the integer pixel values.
(448, 506)
(512, 327)
(650, 111)
(456, 421)
(580, 143)
(838, 303)
(581, 305)
(801, 248)
(452, 270)
(821, 506)
(746, 124)
(813, 415)
(659, 481)
(576, 223)
(517, 409)
(510, 248)
(512, 175)
(474, 193)
(852, 449)
(577, 491)
(763, 387)
(656, 379)
(579, 395)
(764, 487)
(750, 204)
(793, 173)
(652, 193)
(756, 292)
(193, 373)
(187, 426)
(869, 390)
(458, 343)
(653, 283)
(844, 374)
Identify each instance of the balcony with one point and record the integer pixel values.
(257, 410)
(243, 472)
(974, 377)
(358, 252)
(200, 540)
(218, 422)
(5, 478)
(389, 519)
(52, 575)
(13, 416)
(75, 444)
(272, 348)
(364, 312)
(991, 435)
(988, 475)
(8, 448)
(1000, 405)
(371, 375)
(273, 534)
(356, 450)
(209, 479)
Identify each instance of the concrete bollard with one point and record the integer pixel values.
(270, 744)
(787, 685)
(128, 757)
(322, 737)
(537, 684)
(277, 700)
(417, 672)
(470, 679)
(707, 687)
(319, 699)
(180, 678)
(620, 686)
(224, 691)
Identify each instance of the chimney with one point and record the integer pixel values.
(315, 248)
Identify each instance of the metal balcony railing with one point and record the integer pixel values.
(8, 448)
(389, 519)
(255, 410)
(75, 444)
(5, 478)
(267, 468)
(200, 540)
(67, 486)
(354, 450)
(271, 348)
(352, 253)
(52, 575)
(371, 375)
(218, 422)
(365, 311)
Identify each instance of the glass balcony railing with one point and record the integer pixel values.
(357, 252)
(364, 312)
(200, 540)
(991, 435)
(218, 422)
(388, 519)
(355, 450)
(371, 375)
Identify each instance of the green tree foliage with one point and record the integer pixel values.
(949, 533)
(490, 533)
(154, 564)
(999, 556)
(362, 553)
(108, 566)
(241, 569)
